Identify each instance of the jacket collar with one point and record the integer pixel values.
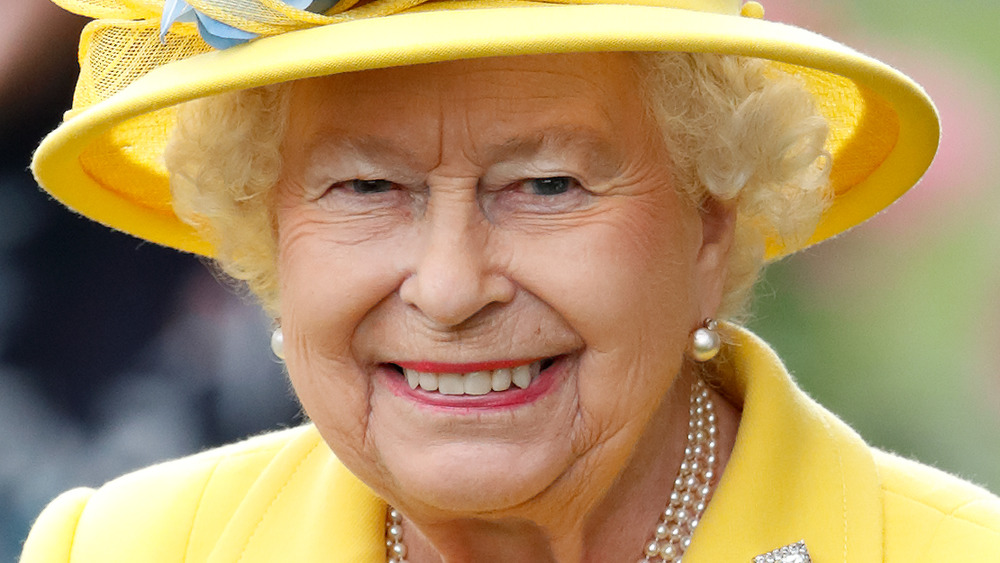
(796, 472)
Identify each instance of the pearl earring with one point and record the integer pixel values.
(705, 342)
(278, 343)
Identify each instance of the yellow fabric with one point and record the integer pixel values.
(105, 160)
(797, 473)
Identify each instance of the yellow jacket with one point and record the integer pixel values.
(796, 473)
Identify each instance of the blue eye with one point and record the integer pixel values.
(370, 186)
(550, 186)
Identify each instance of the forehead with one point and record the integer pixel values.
(563, 91)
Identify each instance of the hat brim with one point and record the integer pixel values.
(888, 127)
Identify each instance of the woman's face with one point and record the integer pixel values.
(499, 219)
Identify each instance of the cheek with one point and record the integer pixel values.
(327, 289)
(628, 268)
(623, 282)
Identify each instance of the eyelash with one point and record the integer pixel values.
(365, 187)
(542, 186)
(544, 195)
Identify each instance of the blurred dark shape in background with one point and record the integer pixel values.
(114, 353)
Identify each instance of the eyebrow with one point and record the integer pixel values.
(599, 150)
(322, 145)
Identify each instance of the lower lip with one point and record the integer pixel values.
(511, 398)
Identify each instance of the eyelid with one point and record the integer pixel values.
(396, 182)
(493, 181)
(573, 181)
(504, 173)
(344, 169)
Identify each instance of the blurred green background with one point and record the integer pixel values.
(896, 326)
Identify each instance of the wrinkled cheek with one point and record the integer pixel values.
(328, 378)
(621, 386)
(335, 396)
(328, 290)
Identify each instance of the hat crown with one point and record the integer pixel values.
(107, 67)
(273, 17)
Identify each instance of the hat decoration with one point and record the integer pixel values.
(220, 35)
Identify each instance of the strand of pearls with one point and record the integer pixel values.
(687, 498)
(395, 551)
(692, 486)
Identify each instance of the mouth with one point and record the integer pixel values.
(481, 380)
(486, 384)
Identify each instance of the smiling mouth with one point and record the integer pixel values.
(479, 382)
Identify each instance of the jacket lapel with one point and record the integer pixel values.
(305, 506)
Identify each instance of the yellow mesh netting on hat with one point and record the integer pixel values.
(115, 53)
(124, 44)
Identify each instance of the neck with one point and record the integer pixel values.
(614, 527)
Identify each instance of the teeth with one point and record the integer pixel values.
(474, 383)
(450, 384)
(428, 382)
(478, 383)
(501, 379)
(521, 376)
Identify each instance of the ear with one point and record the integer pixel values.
(718, 223)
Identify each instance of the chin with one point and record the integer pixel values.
(478, 480)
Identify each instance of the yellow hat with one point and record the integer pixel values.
(105, 160)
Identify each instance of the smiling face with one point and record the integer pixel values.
(507, 221)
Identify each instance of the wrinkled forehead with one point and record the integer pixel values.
(506, 100)
(599, 80)
(573, 70)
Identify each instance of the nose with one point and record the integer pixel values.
(456, 272)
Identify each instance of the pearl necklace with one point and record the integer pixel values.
(692, 486)
(688, 497)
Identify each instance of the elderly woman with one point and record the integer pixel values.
(494, 237)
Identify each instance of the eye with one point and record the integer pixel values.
(364, 187)
(535, 196)
(360, 195)
(550, 186)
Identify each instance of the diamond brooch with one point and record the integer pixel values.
(794, 553)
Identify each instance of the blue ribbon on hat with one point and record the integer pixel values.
(217, 34)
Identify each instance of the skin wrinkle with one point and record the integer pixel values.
(558, 140)
(303, 349)
(327, 152)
